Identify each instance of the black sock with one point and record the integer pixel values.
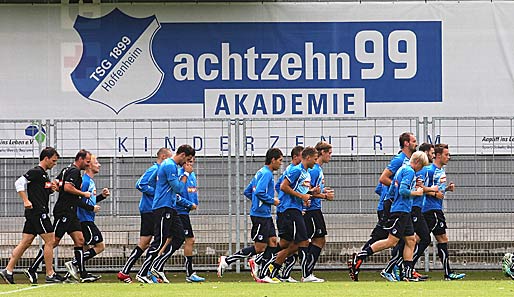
(39, 258)
(303, 255)
(189, 265)
(365, 253)
(276, 269)
(79, 257)
(136, 254)
(240, 255)
(407, 269)
(315, 251)
(396, 255)
(442, 252)
(288, 266)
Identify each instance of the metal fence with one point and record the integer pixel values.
(229, 152)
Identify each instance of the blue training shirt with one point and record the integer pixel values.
(261, 190)
(146, 185)
(317, 179)
(395, 164)
(403, 183)
(88, 185)
(423, 176)
(300, 181)
(437, 177)
(189, 195)
(168, 185)
(281, 194)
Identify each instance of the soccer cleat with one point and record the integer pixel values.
(410, 279)
(268, 280)
(54, 279)
(420, 276)
(222, 265)
(89, 278)
(193, 278)
(153, 278)
(254, 269)
(454, 276)
(72, 270)
(143, 279)
(388, 276)
(160, 275)
(8, 278)
(312, 279)
(288, 280)
(397, 273)
(124, 277)
(354, 264)
(31, 275)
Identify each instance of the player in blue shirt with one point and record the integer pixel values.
(187, 202)
(433, 209)
(291, 225)
(92, 235)
(261, 191)
(408, 144)
(418, 221)
(168, 231)
(314, 220)
(146, 185)
(403, 190)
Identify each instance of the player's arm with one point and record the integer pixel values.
(102, 196)
(286, 188)
(143, 183)
(405, 185)
(385, 177)
(261, 189)
(21, 189)
(248, 190)
(181, 201)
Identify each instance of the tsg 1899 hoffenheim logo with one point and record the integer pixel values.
(117, 67)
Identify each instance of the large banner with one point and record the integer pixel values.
(271, 60)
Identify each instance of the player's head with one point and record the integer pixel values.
(408, 140)
(309, 156)
(48, 157)
(442, 153)
(163, 153)
(324, 150)
(184, 154)
(94, 166)
(83, 159)
(428, 148)
(274, 158)
(418, 160)
(296, 154)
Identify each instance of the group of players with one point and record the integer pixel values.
(410, 208)
(169, 194)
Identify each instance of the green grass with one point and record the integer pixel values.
(477, 283)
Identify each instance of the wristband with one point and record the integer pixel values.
(186, 173)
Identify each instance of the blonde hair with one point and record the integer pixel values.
(420, 157)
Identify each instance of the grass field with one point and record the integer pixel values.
(477, 283)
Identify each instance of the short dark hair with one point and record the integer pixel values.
(272, 153)
(48, 152)
(187, 149)
(425, 147)
(162, 151)
(439, 148)
(323, 146)
(309, 151)
(296, 151)
(82, 154)
(404, 137)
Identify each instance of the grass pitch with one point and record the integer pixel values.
(476, 283)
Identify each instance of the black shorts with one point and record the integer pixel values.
(315, 223)
(400, 225)
(147, 224)
(92, 234)
(436, 221)
(262, 229)
(186, 224)
(383, 215)
(37, 223)
(66, 224)
(291, 226)
(168, 224)
(420, 225)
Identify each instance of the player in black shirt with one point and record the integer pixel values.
(65, 212)
(34, 188)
